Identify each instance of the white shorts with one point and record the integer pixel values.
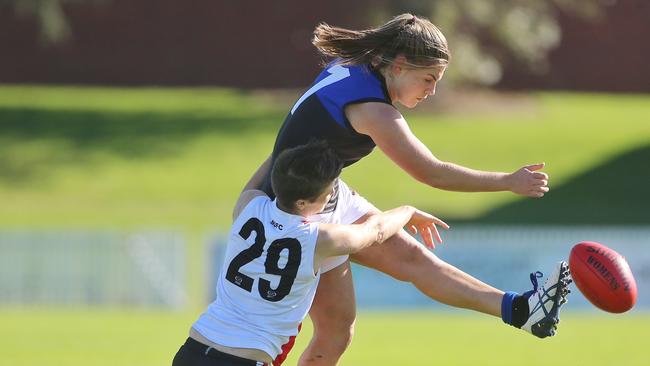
(349, 208)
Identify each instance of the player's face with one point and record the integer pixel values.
(409, 86)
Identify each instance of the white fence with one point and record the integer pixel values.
(149, 269)
(92, 268)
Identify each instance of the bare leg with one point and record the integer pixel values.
(405, 259)
(332, 313)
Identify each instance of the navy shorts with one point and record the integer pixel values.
(195, 353)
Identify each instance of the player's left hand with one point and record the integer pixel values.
(529, 181)
(426, 224)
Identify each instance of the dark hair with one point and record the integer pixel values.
(421, 42)
(304, 172)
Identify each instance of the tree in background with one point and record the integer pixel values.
(54, 27)
(487, 36)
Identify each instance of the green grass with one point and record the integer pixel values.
(571, 133)
(98, 157)
(142, 158)
(95, 338)
(127, 157)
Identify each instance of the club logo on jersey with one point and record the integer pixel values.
(271, 294)
(238, 280)
(276, 225)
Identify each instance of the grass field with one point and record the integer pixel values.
(139, 158)
(109, 157)
(101, 338)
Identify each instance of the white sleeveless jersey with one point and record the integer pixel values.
(267, 283)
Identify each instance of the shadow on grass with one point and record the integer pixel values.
(616, 192)
(73, 137)
(88, 127)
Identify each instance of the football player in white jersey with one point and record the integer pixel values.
(273, 260)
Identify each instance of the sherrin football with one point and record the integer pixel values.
(603, 276)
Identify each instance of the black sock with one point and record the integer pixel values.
(519, 311)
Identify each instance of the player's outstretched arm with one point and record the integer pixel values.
(390, 131)
(345, 239)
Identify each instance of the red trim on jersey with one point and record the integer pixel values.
(286, 348)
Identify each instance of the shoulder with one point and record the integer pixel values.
(364, 117)
(349, 83)
(373, 110)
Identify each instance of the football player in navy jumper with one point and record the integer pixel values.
(351, 104)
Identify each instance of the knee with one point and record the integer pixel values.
(337, 330)
(341, 337)
(411, 259)
(328, 343)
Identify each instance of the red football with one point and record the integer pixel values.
(603, 276)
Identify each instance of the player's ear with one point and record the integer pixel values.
(398, 64)
(301, 204)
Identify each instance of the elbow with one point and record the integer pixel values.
(373, 233)
(433, 174)
(442, 176)
(432, 179)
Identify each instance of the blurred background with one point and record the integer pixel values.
(128, 128)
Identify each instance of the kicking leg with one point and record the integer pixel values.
(405, 259)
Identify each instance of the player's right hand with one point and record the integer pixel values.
(425, 224)
(529, 181)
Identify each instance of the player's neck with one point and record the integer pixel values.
(294, 211)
